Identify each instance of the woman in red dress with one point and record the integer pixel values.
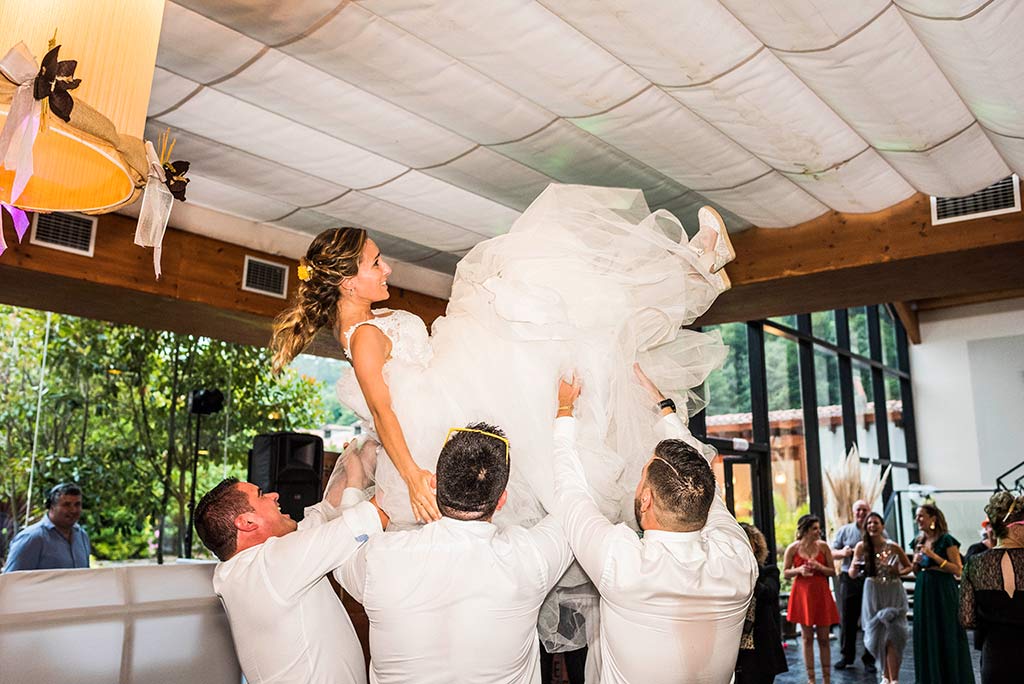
(808, 562)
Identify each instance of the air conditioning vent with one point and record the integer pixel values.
(265, 277)
(1002, 197)
(75, 233)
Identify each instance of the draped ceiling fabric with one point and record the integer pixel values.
(435, 124)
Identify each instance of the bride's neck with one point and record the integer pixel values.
(352, 311)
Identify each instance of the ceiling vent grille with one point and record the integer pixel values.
(1002, 197)
(265, 277)
(75, 233)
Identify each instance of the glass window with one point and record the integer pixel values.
(823, 325)
(728, 389)
(900, 478)
(859, 331)
(741, 485)
(785, 320)
(894, 411)
(864, 407)
(830, 410)
(888, 330)
(786, 425)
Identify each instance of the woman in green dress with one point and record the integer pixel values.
(941, 654)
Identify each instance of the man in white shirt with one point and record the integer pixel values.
(286, 621)
(674, 602)
(457, 600)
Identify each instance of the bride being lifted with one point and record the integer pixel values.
(587, 278)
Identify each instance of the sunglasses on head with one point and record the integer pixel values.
(504, 440)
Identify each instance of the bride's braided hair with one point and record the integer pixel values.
(331, 257)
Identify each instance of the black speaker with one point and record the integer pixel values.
(289, 463)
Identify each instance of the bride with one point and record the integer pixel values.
(587, 278)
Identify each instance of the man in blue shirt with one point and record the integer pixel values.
(57, 541)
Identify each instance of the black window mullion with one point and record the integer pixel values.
(846, 379)
(764, 508)
(809, 400)
(878, 390)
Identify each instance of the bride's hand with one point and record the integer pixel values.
(647, 384)
(422, 495)
(568, 393)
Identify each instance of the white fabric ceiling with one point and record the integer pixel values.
(434, 124)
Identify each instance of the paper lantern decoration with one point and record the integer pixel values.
(95, 162)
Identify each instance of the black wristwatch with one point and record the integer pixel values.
(667, 404)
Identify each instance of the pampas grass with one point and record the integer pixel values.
(849, 481)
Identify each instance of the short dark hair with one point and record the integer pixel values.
(682, 483)
(62, 489)
(215, 517)
(472, 472)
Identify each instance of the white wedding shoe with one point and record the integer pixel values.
(712, 240)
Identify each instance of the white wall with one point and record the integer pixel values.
(968, 379)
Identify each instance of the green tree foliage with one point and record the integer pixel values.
(114, 419)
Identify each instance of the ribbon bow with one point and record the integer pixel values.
(165, 182)
(53, 82)
(18, 135)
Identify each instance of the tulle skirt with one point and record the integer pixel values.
(587, 280)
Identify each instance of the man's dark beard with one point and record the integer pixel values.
(637, 513)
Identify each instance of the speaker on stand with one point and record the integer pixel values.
(291, 464)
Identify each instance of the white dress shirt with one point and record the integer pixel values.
(672, 603)
(456, 601)
(286, 621)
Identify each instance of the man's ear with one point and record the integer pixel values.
(246, 522)
(501, 500)
(646, 499)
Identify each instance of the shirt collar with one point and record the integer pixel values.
(48, 524)
(481, 528)
(666, 537)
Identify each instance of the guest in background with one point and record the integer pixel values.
(988, 540)
(992, 592)
(850, 590)
(808, 561)
(884, 608)
(761, 656)
(57, 541)
(941, 654)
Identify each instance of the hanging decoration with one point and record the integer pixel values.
(165, 182)
(72, 122)
(18, 218)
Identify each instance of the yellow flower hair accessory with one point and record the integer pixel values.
(305, 271)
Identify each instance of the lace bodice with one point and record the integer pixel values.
(410, 351)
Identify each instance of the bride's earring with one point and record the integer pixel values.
(932, 526)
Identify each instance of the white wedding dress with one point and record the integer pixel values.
(588, 279)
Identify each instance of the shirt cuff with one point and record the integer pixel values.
(352, 496)
(363, 520)
(565, 427)
(670, 425)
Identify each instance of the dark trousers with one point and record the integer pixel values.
(575, 665)
(849, 594)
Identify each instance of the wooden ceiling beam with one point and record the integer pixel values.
(199, 291)
(907, 314)
(841, 260)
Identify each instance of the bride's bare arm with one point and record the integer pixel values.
(369, 349)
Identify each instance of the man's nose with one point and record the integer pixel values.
(275, 496)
